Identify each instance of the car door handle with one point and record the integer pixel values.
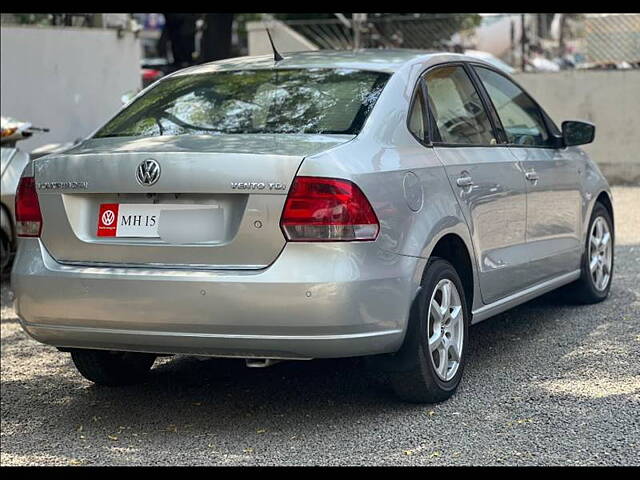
(464, 181)
(531, 175)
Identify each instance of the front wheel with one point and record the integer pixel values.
(597, 261)
(113, 368)
(434, 350)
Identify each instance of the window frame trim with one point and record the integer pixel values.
(418, 88)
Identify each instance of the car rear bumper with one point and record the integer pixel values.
(314, 301)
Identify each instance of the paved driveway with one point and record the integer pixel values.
(546, 383)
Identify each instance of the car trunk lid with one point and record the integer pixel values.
(217, 200)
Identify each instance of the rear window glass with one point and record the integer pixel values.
(252, 101)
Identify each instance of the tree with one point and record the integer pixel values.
(180, 30)
(215, 43)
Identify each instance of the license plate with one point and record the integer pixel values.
(133, 220)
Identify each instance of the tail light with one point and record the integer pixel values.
(28, 216)
(327, 210)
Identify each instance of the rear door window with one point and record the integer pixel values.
(416, 117)
(458, 112)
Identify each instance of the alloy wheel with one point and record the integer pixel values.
(445, 322)
(600, 257)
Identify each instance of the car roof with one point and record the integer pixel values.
(379, 60)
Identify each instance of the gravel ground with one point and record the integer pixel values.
(546, 384)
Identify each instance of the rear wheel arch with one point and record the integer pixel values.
(452, 248)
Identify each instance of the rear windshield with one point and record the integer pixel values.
(252, 101)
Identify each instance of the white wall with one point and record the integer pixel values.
(610, 99)
(69, 80)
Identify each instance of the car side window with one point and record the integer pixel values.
(458, 112)
(416, 117)
(521, 118)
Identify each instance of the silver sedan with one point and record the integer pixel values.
(328, 204)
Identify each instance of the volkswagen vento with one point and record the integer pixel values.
(329, 204)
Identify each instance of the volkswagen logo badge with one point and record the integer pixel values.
(108, 217)
(148, 172)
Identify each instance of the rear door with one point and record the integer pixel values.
(486, 178)
(216, 202)
(552, 179)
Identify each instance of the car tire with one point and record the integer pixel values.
(113, 368)
(6, 254)
(420, 376)
(586, 289)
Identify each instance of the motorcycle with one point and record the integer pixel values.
(12, 162)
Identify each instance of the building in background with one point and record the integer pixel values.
(66, 74)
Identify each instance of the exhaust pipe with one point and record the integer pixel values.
(260, 362)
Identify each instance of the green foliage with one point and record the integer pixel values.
(32, 18)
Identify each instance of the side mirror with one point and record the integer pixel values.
(575, 132)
